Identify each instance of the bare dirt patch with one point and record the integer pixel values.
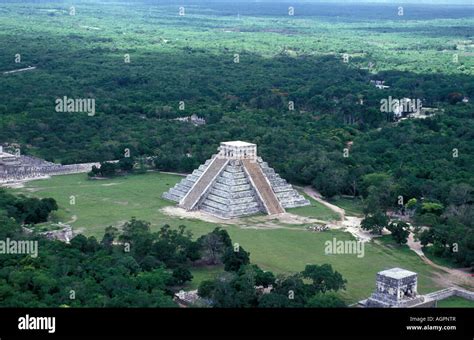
(72, 220)
(256, 222)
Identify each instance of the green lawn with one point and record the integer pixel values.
(352, 206)
(315, 210)
(203, 273)
(455, 301)
(100, 203)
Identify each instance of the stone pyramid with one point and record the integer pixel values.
(234, 183)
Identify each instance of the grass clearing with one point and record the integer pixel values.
(100, 203)
(315, 210)
(352, 206)
(202, 274)
(455, 302)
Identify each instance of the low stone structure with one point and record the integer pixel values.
(233, 183)
(190, 298)
(397, 288)
(65, 234)
(380, 84)
(317, 228)
(193, 119)
(21, 168)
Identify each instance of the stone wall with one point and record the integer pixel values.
(28, 168)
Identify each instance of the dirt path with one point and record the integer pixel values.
(350, 224)
(317, 197)
(72, 220)
(449, 276)
(29, 68)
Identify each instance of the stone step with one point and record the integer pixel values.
(236, 175)
(234, 169)
(295, 204)
(216, 205)
(218, 192)
(232, 181)
(280, 184)
(169, 196)
(218, 199)
(245, 211)
(177, 192)
(287, 193)
(216, 212)
(244, 206)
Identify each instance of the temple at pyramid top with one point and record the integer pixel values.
(235, 182)
(238, 150)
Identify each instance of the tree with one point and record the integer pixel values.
(400, 231)
(233, 259)
(50, 204)
(110, 235)
(181, 275)
(157, 279)
(293, 288)
(324, 278)
(126, 164)
(381, 196)
(206, 288)
(9, 226)
(431, 208)
(107, 169)
(273, 300)
(234, 291)
(134, 228)
(460, 194)
(212, 246)
(262, 278)
(375, 223)
(411, 206)
(325, 301)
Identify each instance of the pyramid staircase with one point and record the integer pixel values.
(203, 183)
(263, 187)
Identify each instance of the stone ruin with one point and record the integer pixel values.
(190, 298)
(235, 182)
(64, 234)
(15, 168)
(396, 287)
(193, 119)
(317, 228)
